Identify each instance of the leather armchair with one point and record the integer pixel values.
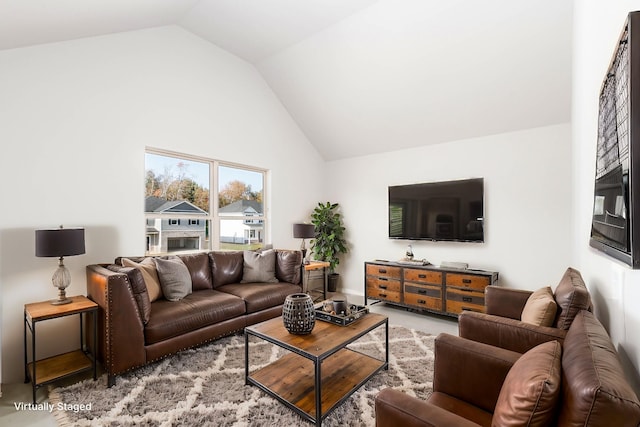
(474, 384)
(501, 325)
(467, 379)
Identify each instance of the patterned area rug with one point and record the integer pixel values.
(205, 387)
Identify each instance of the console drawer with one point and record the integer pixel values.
(422, 276)
(384, 271)
(468, 281)
(459, 300)
(383, 294)
(382, 283)
(423, 296)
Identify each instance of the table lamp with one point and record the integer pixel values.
(60, 242)
(304, 231)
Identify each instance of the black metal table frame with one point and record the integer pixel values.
(317, 361)
(31, 325)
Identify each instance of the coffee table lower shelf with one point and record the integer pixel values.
(291, 380)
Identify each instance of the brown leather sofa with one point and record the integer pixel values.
(501, 326)
(132, 331)
(580, 383)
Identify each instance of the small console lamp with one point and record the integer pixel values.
(60, 242)
(304, 231)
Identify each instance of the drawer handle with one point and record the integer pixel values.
(383, 295)
(422, 276)
(421, 301)
(382, 270)
(422, 292)
(466, 280)
(383, 286)
(467, 299)
(382, 279)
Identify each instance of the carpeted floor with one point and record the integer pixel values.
(205, 387)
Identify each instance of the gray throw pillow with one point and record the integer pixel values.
(259, 267)
(175, 278)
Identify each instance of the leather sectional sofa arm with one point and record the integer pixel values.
(119, 320)
(394, 408)
(506, 333)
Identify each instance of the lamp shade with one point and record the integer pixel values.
(303, 231)
(59, 242)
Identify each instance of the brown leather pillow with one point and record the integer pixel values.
(226, 267)
(571, 295)
(540, 309)
(288, 266)
(531, 391)
(139, 289)
(200, 270)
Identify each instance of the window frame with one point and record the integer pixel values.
(213, 217)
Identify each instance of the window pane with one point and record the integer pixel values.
(177, 235)
(241, 234)
(240, 191)
(169, 179)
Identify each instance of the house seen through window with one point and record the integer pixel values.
(197, 204)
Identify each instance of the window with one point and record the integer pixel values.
(198, 204)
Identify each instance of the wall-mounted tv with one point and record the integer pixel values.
(446, 210)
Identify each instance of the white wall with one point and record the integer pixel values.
(527, 204)
(75, 118)
(615, 287)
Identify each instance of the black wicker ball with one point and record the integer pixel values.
(298, 314)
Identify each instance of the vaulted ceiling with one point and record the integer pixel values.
(360, 76)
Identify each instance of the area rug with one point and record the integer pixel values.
(205, 387)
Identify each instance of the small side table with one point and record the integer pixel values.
(45, 371)
(314, 266)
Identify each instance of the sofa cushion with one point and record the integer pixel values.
(259, 267)
(531, 390)
(259, 296)
(150, 274)
(540, 308)
(175, 278)
(198, 265)
(226, 267)
(196, 310)
(593, 382)
(288, 265)
(571, 295)
(138, 287)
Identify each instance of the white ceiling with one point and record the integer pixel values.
(360, 76)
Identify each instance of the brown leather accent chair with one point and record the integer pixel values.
(501, 325)
(578, 384)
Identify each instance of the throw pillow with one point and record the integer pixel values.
(540, 308)
(259, 267)
(175, 278)
(531, 389)
(150, 275)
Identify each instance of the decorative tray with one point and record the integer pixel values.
(356, 312)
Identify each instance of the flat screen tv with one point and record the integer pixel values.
(447, 210)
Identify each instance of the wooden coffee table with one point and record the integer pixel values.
(320, 373)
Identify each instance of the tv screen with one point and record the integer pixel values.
(449, 210)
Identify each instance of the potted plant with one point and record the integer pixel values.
(329, 241)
